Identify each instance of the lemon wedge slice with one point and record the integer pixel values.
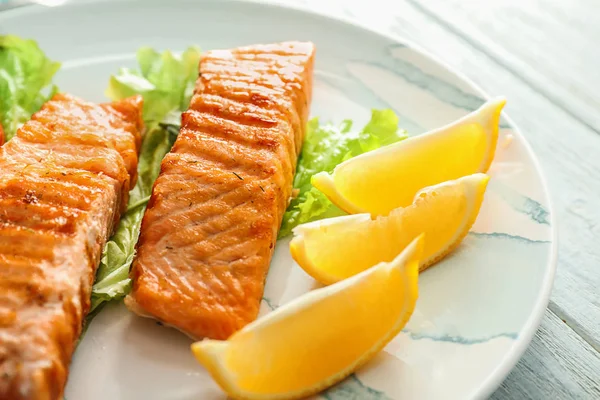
(334, 249)
(381, 180)
(318, 339)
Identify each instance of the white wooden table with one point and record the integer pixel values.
(543, 56)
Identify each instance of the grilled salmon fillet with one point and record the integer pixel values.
(210, 228)
(64, 180)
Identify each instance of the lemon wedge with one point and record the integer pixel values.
(334, 249)
(318, 339)
(381, 180)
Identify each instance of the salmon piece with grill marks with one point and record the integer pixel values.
(210, 228)
(64, 181)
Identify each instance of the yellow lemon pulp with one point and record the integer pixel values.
(318, 339)
(381, 180)
(335, 249)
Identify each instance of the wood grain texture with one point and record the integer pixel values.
(562, 362)
(570, 358)
(548, 43)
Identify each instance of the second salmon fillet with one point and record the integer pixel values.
(210, 228)
(64, 182)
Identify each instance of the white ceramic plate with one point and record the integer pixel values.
(477, 310)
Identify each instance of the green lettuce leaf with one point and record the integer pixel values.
(166, 82)
(325, 147)
(25, 81)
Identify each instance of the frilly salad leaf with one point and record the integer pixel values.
(325, 146)
(166, 82)
(25, 82)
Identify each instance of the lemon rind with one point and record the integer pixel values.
(477, 190)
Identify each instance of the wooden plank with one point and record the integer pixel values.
(557, 365)
(549, 44)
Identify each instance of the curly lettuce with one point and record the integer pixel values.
(166, 82)
(325, 146)
(25, 82)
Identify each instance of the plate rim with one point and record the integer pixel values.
(534, 319)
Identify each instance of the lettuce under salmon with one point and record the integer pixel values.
(166, 82)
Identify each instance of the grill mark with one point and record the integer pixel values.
(218, 156)
(200, 224)
(41, 131)
(234, 108)
(29, 243)
(18, 267)
(259, 99)
(235, 115)
(189, 166)
(39, 216)
(68, 134)
(260, 94)
(277, 86)
(242, 100)
(220, 196)
(179, 282)
(285, 56)
(233, 248)
(285, 87)
(273, 90)
(254, 67)
(75, 157)
(228, 129)
(279, 59)
(52, 173)
(64, 109)
(210, 259)
(219, 215)
(51, 193)
(214, 259)
(245, 114)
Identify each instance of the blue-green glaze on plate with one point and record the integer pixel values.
(477, 309)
